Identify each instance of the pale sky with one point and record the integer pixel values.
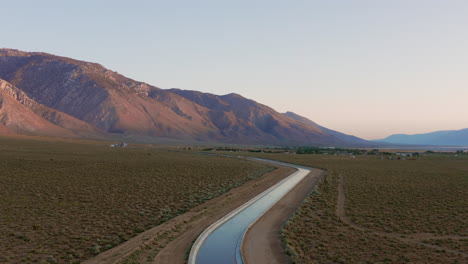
(367, 68)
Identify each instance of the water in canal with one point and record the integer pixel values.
(223, 244)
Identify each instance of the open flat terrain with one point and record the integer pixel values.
(373, 210)
(64, 202)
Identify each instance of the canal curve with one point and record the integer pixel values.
(221, 242)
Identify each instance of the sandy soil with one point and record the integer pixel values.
(262, 243)
(170, 242)
(413, 238)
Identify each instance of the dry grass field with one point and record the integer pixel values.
(64, 202)
(395, 211)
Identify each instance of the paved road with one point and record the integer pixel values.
(221, 242)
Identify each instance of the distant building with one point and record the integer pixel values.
(121, 145)
(404, 154)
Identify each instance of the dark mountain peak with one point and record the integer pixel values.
(301, 118)
(14, 52)
(94, 72)
(42, 56)
(235, 98)
(233, 95)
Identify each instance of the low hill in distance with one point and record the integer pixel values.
(72, 98)
(438, 138)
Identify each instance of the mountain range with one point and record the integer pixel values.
(44, 94)
(438, 138)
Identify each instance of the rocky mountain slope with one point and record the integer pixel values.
(353, 140)
(103, 100)
(100, 97)
(19, 114)
(238, 119)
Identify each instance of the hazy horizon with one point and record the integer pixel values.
(366, 68)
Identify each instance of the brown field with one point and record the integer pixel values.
(393, 211)
(64, 202)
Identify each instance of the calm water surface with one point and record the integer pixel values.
(223, 244)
